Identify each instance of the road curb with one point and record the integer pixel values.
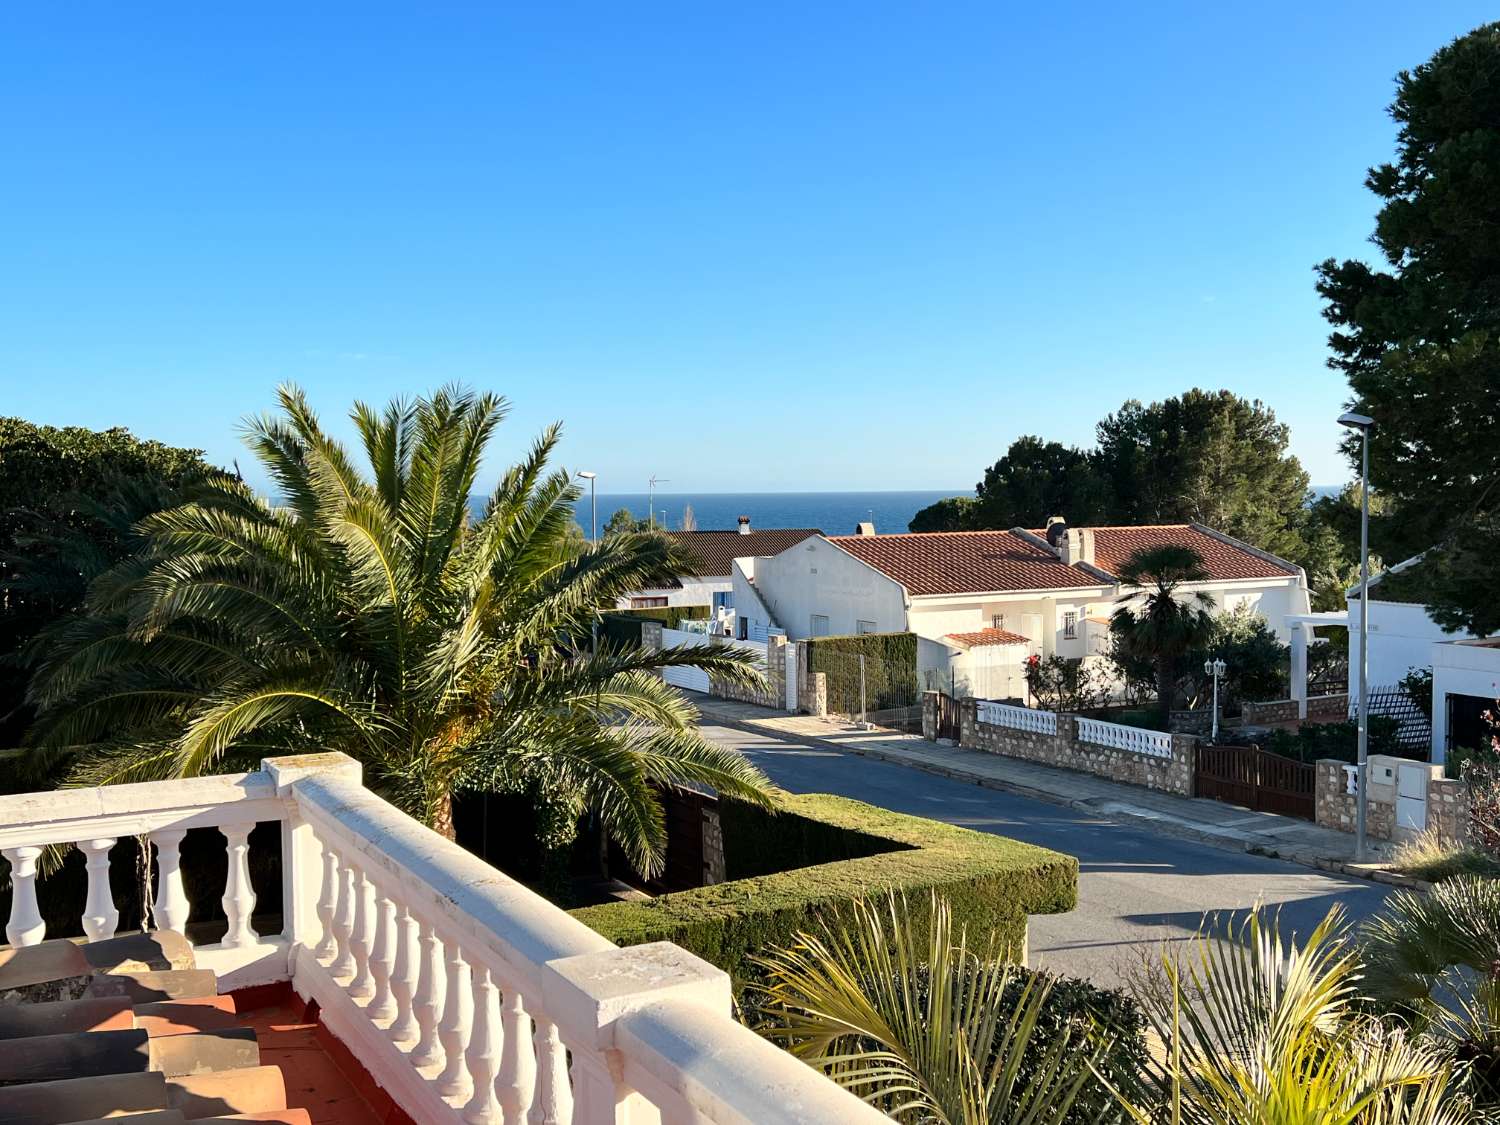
(1265, 846)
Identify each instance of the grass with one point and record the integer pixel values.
(1429, 859)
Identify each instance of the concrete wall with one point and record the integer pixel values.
(693, 591)
(1461, 668)
(816, 577)
(1064, 749)
(1401, 638)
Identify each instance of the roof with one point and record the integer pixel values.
(717, 550)
(989, 637)
(978, 562)
(1224, 558)
(964, 562)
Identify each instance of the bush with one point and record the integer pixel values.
(823, 859)
(1059, 684)
(1426, 858)
(1340, 741)
(890, 670)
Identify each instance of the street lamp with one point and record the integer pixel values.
(1362, 423)
(593, 505)
(1216, 669)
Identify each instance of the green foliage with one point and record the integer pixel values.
(991, 882)
(1418, 337)
(1060, 684)
(1156, 623)
(1417, 686)
(1037, 479)
(369, 613)
(898, 1007)
(1427, 857)
(956, 513)
(623, 522)
(1312, 742)
(671, 616)
(890, 669)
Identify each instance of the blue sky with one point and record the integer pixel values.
(753, 247)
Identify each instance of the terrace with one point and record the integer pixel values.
(463, 995)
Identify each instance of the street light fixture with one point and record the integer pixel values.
(1363, 424)
(593, 505)
(1216, 669)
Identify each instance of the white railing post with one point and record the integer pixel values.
(26, 926)
(239, 897)
(328, 902)
(383, 1004)
(517, 1060)
(552, 1103)
(100, 918)
(362, 936)
(343, 923)
(308, 900)
(171, 905)
(404, 977)
(429, 1004)
(484, 1052)
(453, 1082)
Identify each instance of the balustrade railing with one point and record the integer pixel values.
(1017, 718)
(1154, 743)
(468, 997)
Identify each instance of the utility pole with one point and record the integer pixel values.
(651, 500)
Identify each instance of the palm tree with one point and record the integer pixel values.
(1157, 621)
(906, 1016)
(369, 612)
(1260, 1031)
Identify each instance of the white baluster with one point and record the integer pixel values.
(100, 918)
(404, 977)
(553, 1104)
(429, 1003)
(484, 1052)
(363, 937)
(25, 926)
(239, 897)
(383, 1005)
(343, 924)
(517, 1062)
(171, 905)
(328, 903)
(453, 1082)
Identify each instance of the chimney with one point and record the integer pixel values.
(1077, 546)
(864, 527)
(1057, 533)
(744, 525)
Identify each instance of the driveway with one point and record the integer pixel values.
(1135, 889)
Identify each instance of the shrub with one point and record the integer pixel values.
(991, 882)
(1427, 858)
(1059, 684)
(890, 669)
(1313, 741)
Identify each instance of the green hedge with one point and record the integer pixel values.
(839, 850)
(618, 630)
(890, 669)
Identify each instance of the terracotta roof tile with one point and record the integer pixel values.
(1113, 547)
(964, 562)
(989, 637)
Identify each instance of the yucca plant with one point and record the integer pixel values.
(1261, 1031)
(367, 611)
(912, 1020)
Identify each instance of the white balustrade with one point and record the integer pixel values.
(463, 993)
(1017, 718)
(1152, 743)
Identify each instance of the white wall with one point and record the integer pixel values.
(1272, 599)
(817, 577)
(1036, 617)
(693, 591)
(1401, 638)
(1460, 668)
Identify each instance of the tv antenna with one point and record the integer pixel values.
(651, 500)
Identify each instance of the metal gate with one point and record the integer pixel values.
(947, 716)
(1257, 779)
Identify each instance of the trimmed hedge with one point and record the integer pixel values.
(890, 669)
(622, 627)
(843, 850)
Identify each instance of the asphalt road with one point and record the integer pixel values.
(1136, 889)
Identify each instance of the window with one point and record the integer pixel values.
(1070, 624)
(997, 621)
(864, 627)
(723, 599)
(647, 603)
(819, 625)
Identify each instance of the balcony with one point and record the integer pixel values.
(464, 995)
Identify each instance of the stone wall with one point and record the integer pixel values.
(1448, 809)
(929, 715)
(1328, 708)
(1336, 807)
(1064, 749)
(774, 694)
(1199, 721)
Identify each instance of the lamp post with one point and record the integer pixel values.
(1216, 669)
(593, 505)
(1362, 423)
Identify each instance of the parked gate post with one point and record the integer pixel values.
(864, 722)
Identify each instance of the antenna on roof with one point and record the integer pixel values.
(651, 500)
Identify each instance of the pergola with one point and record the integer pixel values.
(1304, 627)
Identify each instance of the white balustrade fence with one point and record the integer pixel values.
(1154, 743)
(1017, 718)
(468, 997)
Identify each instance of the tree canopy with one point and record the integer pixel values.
(1418, 337)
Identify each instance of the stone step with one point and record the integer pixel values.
(82, 1099)
(249, 1090)
(271, 1117)
(155, 984)
(193, 1013)
(73, 1054)
(135, 953)
(102, 1013)
(201, 1052)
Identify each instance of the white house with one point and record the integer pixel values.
(987, 599)
(710, 582)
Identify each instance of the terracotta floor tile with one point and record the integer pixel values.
(313, 1081)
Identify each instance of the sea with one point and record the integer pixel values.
(835, 513)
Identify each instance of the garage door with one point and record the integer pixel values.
(694, 679)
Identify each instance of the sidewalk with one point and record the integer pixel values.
(1209, 822)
